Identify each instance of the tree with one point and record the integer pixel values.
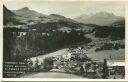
(81, 70)
(36, 64)
(105, 70)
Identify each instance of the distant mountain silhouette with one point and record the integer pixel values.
(25, 15)
(55, 21)
(55, 16)
(26, 12)
(120, 23)
(99, 18)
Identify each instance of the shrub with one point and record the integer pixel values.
(48, 63)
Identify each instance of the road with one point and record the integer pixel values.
(57, 75)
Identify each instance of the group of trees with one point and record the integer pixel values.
(49, 26)
(34, 43)
(115, 33)
(55, 40)
(110, 46)
(37, 65)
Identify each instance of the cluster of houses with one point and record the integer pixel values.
(87, 67)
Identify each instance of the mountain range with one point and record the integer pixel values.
(27, 16)
(99, 18)
(31, 17)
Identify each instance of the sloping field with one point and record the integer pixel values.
(53, 54)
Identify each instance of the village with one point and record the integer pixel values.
(76, 62)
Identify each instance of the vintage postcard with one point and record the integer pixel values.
(64, 39)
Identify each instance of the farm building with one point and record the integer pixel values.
(116, 67)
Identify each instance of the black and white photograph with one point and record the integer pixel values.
(63, 39)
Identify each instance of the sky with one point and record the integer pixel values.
(70, 9)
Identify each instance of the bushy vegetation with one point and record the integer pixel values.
(110, 46)
(48, 63)
(115, 33)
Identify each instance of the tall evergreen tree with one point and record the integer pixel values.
(105, 69)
